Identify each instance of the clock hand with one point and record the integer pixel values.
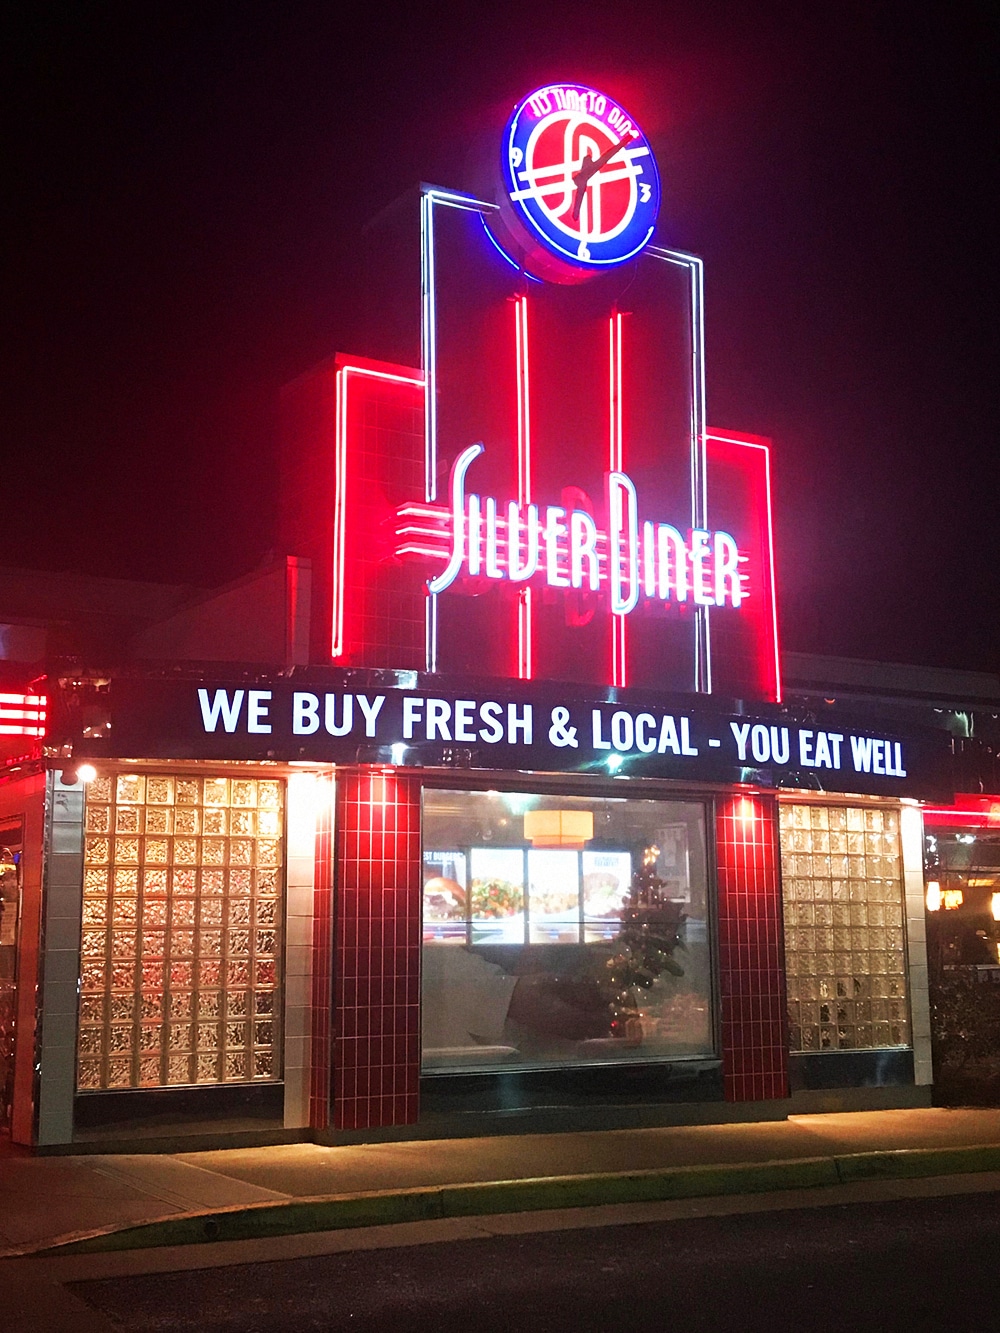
(607, 156)
(588, 168)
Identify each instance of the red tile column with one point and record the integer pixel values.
(751, 950)
(376, 1065)
(322, 957)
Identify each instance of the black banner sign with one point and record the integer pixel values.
(387, 717)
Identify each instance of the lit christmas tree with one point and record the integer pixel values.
(651, 932)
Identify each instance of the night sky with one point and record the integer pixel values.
(185, 187)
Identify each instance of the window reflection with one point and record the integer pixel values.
(562, 930)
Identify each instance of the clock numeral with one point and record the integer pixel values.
(583, 251)
(645, 193)
(516, 157)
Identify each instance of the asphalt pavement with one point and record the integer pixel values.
(48, 1204)
(918, 1263)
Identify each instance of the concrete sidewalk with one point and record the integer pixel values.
(46, 1201)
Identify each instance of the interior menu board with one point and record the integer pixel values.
(607, 877)
(445, 897)
(553, 896)
(497, 895)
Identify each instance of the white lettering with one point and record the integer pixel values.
(438, 715)
(806, 749)
(622, 731)
(305, 713)
(760, 743)
(463, 720)
(728, 585)
(740, 735)
(700, 552)
(220, 706)
(583, 546)
(493, 570)
(623, 543)
(515, 570)
(461, 465)
(347, 717)
(835, 739)
(824, 759)
(644, 724)
(686, 746)
(257, 711)
(371, 711)
(516, 724)
(412, 715)
(669, 739)
(599, 742)
(492, 716)
(861, 753)
(671, 563)
(555, 528)
(878, 757)
(475, 536)
(485, 541)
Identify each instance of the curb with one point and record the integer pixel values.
(434, 1202)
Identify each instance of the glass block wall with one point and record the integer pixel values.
(180, 948)
(845, 955)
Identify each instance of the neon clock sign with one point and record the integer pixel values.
(580, 188)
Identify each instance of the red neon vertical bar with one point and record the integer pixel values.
(340, 501)
(619, 672)
(770, 589)
(339, 510)
(774, 594)
(524, 616)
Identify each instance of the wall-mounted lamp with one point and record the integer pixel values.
(745, 811)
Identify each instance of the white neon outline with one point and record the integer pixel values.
(516, 572)
(752, 444)
(620, 484)
(461, 466)
(699, 467)
(738, 596)
(430, 196)
(340, 483)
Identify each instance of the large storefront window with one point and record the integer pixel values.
(563, 930)
(181, 931)
(845, 952)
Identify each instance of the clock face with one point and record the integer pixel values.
(579, 177)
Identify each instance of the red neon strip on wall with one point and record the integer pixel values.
(525, 666)
(340, 496)
(616, 453)
(967, 811)
(755, 442)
